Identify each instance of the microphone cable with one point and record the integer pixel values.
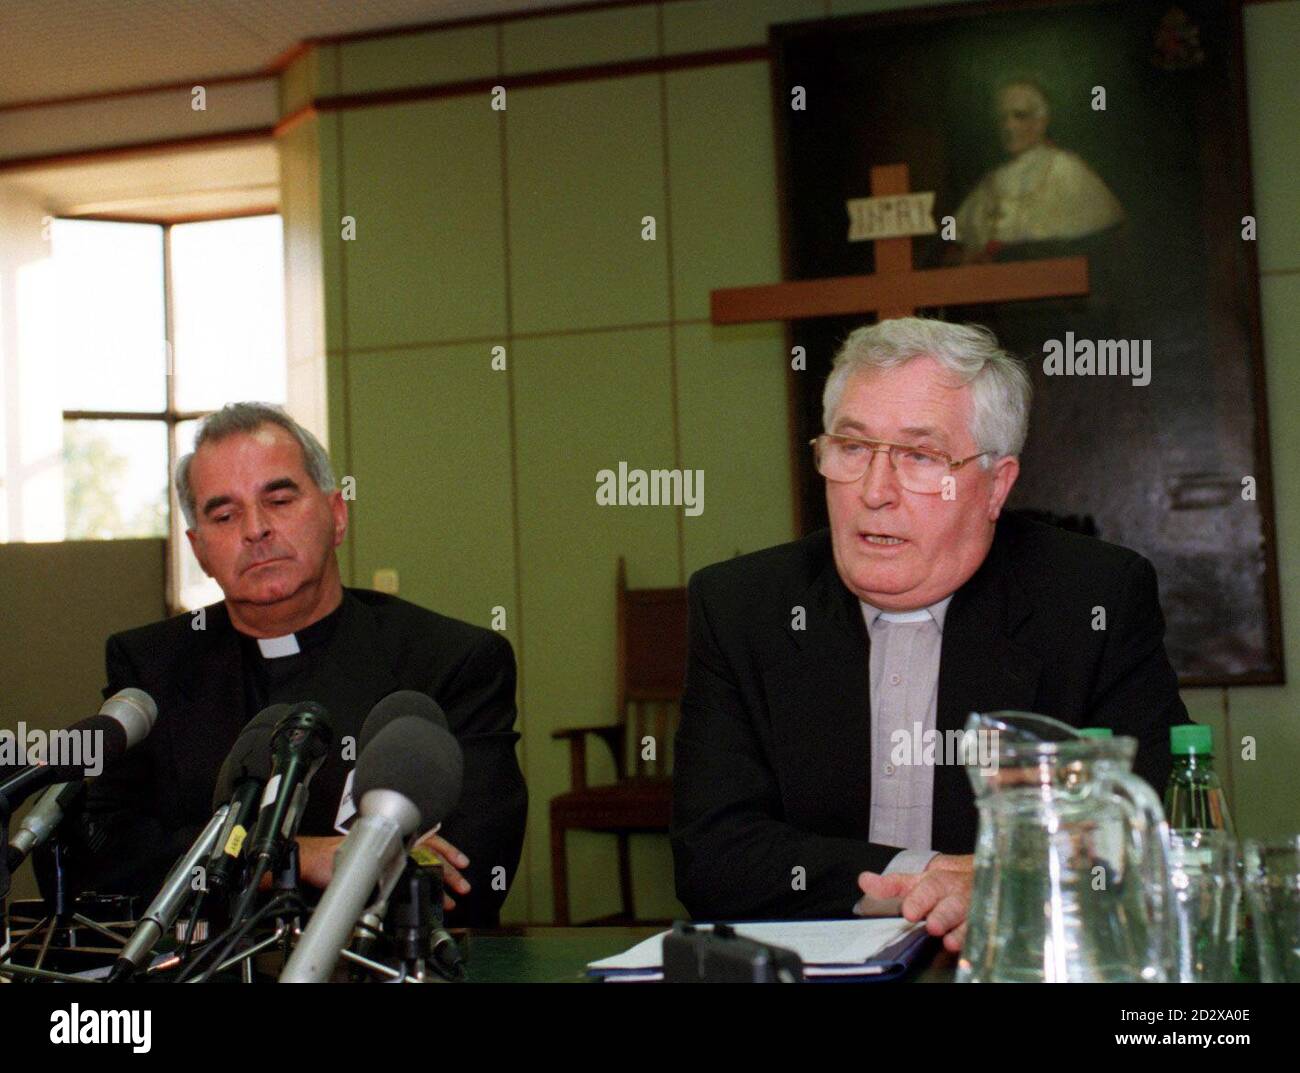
(232, 936)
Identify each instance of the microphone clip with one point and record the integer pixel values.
(414, 922)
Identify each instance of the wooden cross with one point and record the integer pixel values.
(897, 289)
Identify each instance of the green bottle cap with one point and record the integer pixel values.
(1189, 739)
(1096, 732)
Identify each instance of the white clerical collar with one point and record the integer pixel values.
(276, 647)
(936, 611)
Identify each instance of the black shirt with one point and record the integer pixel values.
(298, 676)
(208, 682)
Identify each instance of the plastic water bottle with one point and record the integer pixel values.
(1194, 796)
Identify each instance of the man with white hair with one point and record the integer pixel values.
(264, 516)
(810, 662)
(1042, 192)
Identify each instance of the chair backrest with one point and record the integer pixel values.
(651, 670)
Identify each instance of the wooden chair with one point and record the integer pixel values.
(651, 652)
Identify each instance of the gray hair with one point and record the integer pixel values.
(1000, 386)
(237, 417)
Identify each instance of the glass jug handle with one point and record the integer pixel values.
(1150, 842)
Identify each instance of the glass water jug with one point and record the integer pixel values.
(1071, 861)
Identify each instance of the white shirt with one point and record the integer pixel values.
(904, 682)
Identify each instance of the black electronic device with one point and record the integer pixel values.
(717, 955)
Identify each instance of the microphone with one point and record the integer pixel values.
(124, 720)
(41, 821)
(396, 705)
(299, 744)
(234, 802)
(240, 783)
(165, 908)
(407, 780)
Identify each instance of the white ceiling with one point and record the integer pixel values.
(60, 48)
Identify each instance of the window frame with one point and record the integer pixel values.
(170, 416)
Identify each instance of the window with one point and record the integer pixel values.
(156, 326)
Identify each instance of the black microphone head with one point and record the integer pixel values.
(250, 756)
(305, 719)
(418, 759)
(85, 749)
(404, 702)
(268, 717)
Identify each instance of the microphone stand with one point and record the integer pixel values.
(425, 950)
(410, 925)
(60, 913)
(288, 925)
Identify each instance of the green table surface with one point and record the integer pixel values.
(538, 954)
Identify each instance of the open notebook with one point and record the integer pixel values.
(880, 948)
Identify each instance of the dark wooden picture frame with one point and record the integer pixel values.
(1167, 468)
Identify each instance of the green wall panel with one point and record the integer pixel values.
(700, 25)
(726, 231)
(585, 167)
(431, 455)
(327, 131)
(581, 39)
(431, 448)
(437, 57)
(424, 184)
(583, 404)
(731, 385)
(1272, 40)
(1265, 798)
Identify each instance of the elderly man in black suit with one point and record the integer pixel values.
(264, 518)
(812, 662)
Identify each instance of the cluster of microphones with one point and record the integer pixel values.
(382, 908)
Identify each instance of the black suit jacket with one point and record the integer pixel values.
(772, 768)
(147, 811)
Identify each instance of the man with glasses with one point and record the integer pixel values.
(816, 666)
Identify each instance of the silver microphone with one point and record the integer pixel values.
(165, 908)
(41, 821)
(135, 710)
(375, 842)
(408, 779)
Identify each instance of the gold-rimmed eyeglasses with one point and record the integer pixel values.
(845, 459)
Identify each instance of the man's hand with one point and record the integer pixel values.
(940, 895)
(316, 858)
(452, 860)
(316, 862)
(947, 862)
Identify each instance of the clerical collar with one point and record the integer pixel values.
(276, 647)
(936, 611)
(291, 644)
